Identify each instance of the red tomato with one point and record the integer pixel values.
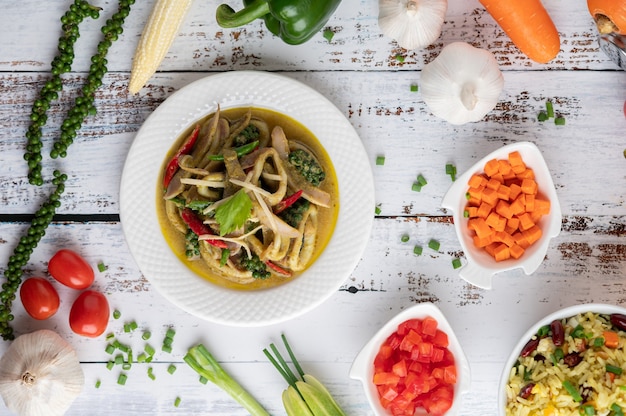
(70, 269)
(414, 368)
(39, 297)
(89, 315)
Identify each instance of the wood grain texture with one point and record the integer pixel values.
(360, 72)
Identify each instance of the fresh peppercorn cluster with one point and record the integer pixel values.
(83, 106)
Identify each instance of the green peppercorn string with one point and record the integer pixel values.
(83, 106)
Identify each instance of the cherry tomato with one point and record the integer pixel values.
(71, 269)
(89, 315)
(39, 297)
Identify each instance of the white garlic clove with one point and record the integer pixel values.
(413, 24)
(462, 84)
(40, 375)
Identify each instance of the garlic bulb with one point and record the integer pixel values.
(412, 23)
(462, 84)
(40, 375)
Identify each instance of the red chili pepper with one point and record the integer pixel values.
(287, 202)
(172, 166)
(278, 269)
(198, 227)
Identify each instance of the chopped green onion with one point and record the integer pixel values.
(110, 336)
(542, 116)
(451, 170)
(119, 359)
(170, 333)
(146, 335)
(98, 384)
(177, 402)
(559, 121)
(416, 187)
(110, 365)
(578, 332)
(110, 349)
(421, 180)
(414, 88)
(203, 380)
(434, 245)
(456, 263)
(588, 410)
(543, 331)
(126, 366)
(400, 58)
(465, 213)
(557, 356)
(168, 341)
(116, 314)
(171, 369)
(166, 348)
(573, 391)
(549, 109)
(614, 369)
(377, 210)
(404, 238)
(380, 160)
(598, 342)
(122, 347)
(151, 374)
(149, 359)
(133, 325)
(149, 349)
(121, 380)
(225, 256)
(126, 327)
(328, 34)
(101, 267)
(467, 196)
(141, 358)
(617, 410)
(417, 250)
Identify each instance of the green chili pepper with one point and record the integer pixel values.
(294, 21)
(240, 151)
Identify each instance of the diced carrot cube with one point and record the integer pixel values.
(505, 238)
(528, 173)
(501, 252)
(504, 209)
(515, 190)
(515, 159)
(530, 202)
(477, 181)
(535, 216)
(491, 167)
(532, 234)
(529, 186)
(504, 192)
(499, 177)
(476, 192)
(518, 206)
(483, 242)
(493, 184)
(542, 206)
(520, 239)
(525, 221)
(491, 248)
(484, 209)
(473, 201)
(472, 212)
(513, 222)
(494, 221)
(516, 251)
(490, 196)
(481, 228)
(504, 167)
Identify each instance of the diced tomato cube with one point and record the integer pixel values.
(429, 326)
(394, 341)
(416, 367)
(440, 339)
(426, 350)
(437, 355)
(386, 378)
(388, 393)
(400, 368)
(414, 324)
(449, 374)
(440, 400)
(437, 373)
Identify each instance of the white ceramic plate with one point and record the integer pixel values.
(138, 200)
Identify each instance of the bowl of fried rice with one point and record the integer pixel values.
(572, 362)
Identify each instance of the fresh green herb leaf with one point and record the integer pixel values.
(233, 214)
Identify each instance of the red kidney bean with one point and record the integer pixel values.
(619, 321)
(526, 391)
(572, 359)
(530, 347)
(558, 333)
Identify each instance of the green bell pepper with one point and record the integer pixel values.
(294, 21)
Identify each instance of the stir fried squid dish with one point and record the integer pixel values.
(248, 198)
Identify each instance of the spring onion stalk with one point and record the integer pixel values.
(203, 363)
(305, 395)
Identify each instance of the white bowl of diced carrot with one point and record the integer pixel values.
(414, 365)
(505, 211)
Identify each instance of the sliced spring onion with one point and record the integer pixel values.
(380, 160)
(542, 116)
(151, 374)
(416, 187)
(121, 379)
(328, 34)
(110, 336)
(588, 410)
(451, 170)
(141, 358)
(377, 210)
(598, 342)
(421, 180)
(434, 244)
(171, 369)
(614, 369)
(110, 349)
(543, 331)
(149, 349)
(146, 335)
(203, 380)
(572, 391)
(116, 314)
(559, 121)
(404, 238)
(400, 58)
(465, 213)
(119, 359)
(177, 402)
(101, 267)
(549, 109)
(98, 383)
(110, 365)
(414, 88)
(417, 250)
(456, 263)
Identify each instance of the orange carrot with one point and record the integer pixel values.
(609, 15)
(611, 339)
(528, 25)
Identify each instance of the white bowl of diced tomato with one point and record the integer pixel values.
(506, 211)
(414, 365)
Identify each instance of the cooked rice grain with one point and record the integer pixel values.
(548, 396)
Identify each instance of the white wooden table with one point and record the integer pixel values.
(360, 73)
